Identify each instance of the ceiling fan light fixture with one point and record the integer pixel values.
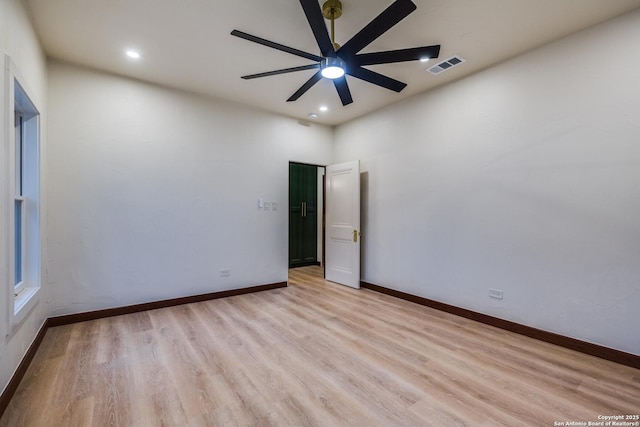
(333, 68)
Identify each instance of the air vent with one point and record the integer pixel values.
(445, 65)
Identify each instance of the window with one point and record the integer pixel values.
(19, 206)
(24, 197)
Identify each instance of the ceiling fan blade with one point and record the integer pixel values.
(395, 13)
(316, 21)
(400, 55)
(283, 71)
(376, 78)
(343, 90)
(305, 87)
(275, 45)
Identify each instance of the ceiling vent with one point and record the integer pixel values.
(445, 65)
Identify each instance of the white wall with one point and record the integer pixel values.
(154, 191)
(524, 178)
(19, 42)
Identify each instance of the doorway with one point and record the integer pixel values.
(306, 215)
(336, 213)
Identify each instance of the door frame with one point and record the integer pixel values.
(320, 211)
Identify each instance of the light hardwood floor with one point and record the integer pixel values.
(314, 353)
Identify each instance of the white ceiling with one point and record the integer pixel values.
(186, 44)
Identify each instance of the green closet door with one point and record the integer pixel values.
(303, 215)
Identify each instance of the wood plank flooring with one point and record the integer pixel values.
(316, 354)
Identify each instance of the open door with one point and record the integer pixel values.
(342, 263)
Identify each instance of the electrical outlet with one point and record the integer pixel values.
(267, 206)
(274, 206)
(496, 293)
(225, 273)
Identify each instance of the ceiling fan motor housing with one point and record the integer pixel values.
(332, 9)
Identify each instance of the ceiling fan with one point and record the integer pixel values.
(336, 60)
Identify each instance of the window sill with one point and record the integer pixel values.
(23, 303)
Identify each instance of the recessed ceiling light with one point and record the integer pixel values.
(313, 116)
(425, 59)
(133, 54)
(324, 108)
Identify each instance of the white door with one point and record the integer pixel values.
(342, 264)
